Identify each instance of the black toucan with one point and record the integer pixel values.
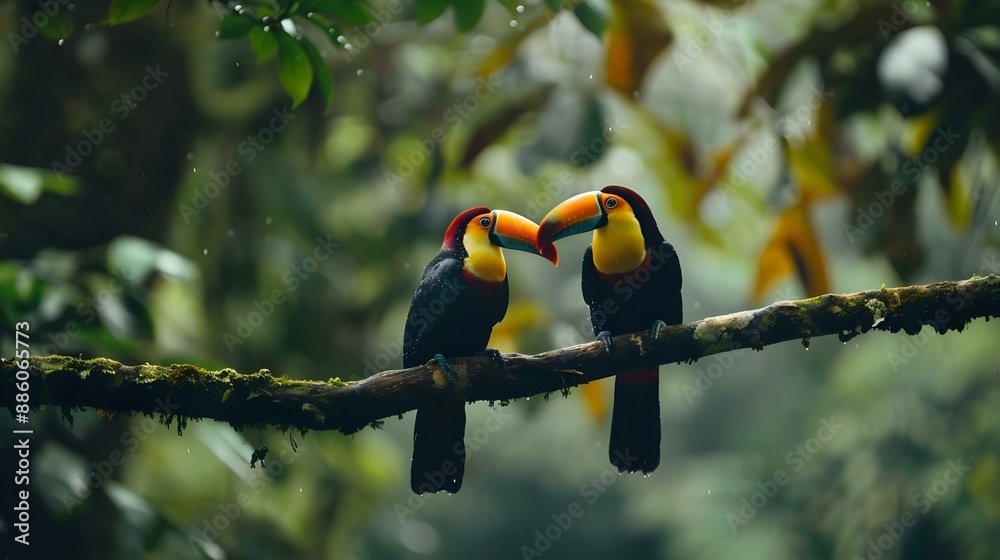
(631, 282)
(462, 295)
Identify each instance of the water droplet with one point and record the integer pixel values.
(195, 169)
(205, 252)
(341, 39)
(520, 9)
(709, 492)
(300, 490)
(190, 156)
(268, 221)
(61, 41)
(697, 305)
(591, 76)
(189, 449)
(513, 23)
(237, 64)
(360, 72)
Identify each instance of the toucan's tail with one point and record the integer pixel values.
(635, 422)
(438, 449)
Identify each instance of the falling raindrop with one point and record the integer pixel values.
(189, 449)
(237, 64)
(710, 492)
(591, 76)
(513, 23)
(360, 72)
(190, 156)
(520, 9)
(268, 221)
(61, 41)
(195, 169)
(205, 252)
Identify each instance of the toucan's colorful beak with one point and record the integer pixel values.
(574, 215)
(514, 231)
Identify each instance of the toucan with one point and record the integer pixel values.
(463, 293)
(631, 281)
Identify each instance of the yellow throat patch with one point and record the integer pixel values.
(618, 246)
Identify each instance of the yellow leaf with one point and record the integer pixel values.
(984, 485)
(792, 248)
(507, 48)
(959, 203)
(520, 316)
(919, 131)
(593, 399)
(636, 36)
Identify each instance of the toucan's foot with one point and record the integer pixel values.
(449, 373)
(605, 337)
(494, 355)
(654, 331)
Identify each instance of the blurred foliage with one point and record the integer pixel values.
(167, 168)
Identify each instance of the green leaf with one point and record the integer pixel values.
(430, 10)
(512, 5)
(351, 11)
(332, 31)
(294, 70)
(467, 13)
(58, 27)
(127, 10)
(591, 18)
(320, 71)
(235, 26)
(263, 43)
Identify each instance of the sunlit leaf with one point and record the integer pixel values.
(467, 13)
(235, 26)
(636, 36)
(294, 69)
(263, 42)
(793, 248)
(27, 184)
(429, 10)
(127, 10)
(321, 72)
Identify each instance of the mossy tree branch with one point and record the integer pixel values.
(185, 391)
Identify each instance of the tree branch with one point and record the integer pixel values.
(185, 391)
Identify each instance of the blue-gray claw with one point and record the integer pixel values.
(605, 337)
(654, 331)
(449, 373)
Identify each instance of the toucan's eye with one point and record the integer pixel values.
(611, 203)
(484, 221)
